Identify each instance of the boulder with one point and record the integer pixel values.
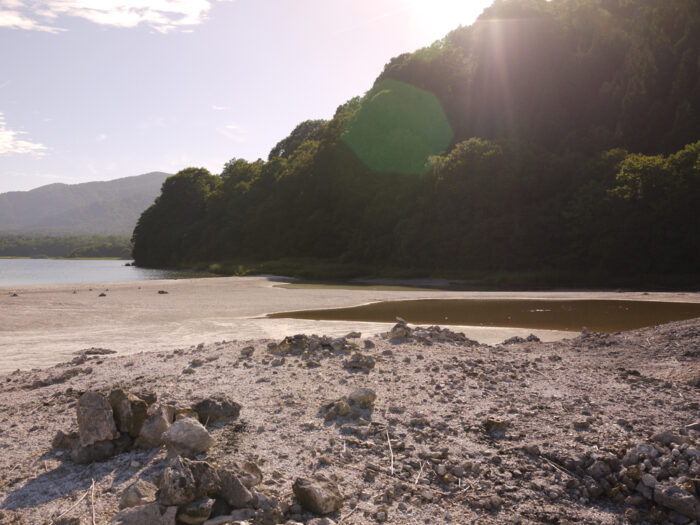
(130, 412)
(140, 492)
(360, 362)
(152, 514)
(98, 451)
(217, 408)
(95, 419)
(362, 398)
(151, 434)
(320, 495)
(234, 491)
(63, 441)
(187, 437)
(196, 512)
(674, 497)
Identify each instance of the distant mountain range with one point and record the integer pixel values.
(91, 208)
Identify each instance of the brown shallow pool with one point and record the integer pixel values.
(571, 315)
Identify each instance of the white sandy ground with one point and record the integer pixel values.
(45, 325)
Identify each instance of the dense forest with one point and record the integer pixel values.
(97, 246)
(557, 137)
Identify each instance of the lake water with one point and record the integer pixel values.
(568, 315)
(25, 272)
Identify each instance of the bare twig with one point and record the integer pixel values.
(419, 474)
(342, 519)
(560, 468)
(72, 506)
(388, 440)
(92, 500)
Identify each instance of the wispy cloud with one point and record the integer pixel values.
(219, 108)
(161, 15)
(101, 137)
(11, 142)
(234, 132)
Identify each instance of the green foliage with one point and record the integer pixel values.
(110, 246)
(503, 149)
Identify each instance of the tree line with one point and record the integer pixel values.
(571, 146)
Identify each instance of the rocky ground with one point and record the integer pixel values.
(420, 426)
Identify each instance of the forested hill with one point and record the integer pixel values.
(557, 136)
(92, 208)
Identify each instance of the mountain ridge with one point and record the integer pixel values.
(90, 208)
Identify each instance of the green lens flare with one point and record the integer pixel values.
(397, 127)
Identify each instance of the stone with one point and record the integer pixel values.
(667, 438)
(251, 475)
(599, 469)
(649, 480)
(187, 437)
(399, 331)
(206, 477)
(95, 419)
(63, 441)
(152, 514)
(495, 428)
(675, 498)
(247, 351)
(243, 514)
(217, 408)
(320, 495)
(152, 430)
(234, 491)
(694, 426)
(177, 484)
(98, 451)
(140, 492)
(362, 397)
(360, 362)
(130, 412)
(222, 520)
(196, 512)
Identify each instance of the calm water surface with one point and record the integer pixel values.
(25, 272)
(569, 315)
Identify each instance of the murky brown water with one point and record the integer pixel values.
(571, 315)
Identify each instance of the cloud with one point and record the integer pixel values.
(101, 137)
(234, 132)
(161, 15)
(12, 143)
(219, 108)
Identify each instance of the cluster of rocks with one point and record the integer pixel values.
(197, 492)
(516, 339)
(109, 425)
(427, 335)
(659, 481)
(357, 406)
(314, 345)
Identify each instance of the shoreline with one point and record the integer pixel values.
(47, 324)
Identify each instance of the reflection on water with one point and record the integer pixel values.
(26, 272)
(570, 315)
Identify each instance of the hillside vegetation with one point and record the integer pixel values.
(553, 137)
(92, 208)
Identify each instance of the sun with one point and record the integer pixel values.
(433, 19)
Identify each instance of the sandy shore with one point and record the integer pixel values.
(45, 325)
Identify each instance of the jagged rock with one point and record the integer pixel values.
(187, 437)
(335, 409)
(251, 475)
(95, 419)
(63, 441)
(130, 412)
(667, 438)
(360, 362)
(674, 497)
(140, 492)
(353, 335)
(177, 484)
(495, 428)
(320, 496)
(362, 397)
(234, 491)
(247, 351)
(599, 469)
(217, 408)
(196, 512)
(152, 430)
(205, 475)
(152, 514)
(98, 451)
(399, 331)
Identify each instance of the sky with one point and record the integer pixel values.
(103, 89)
